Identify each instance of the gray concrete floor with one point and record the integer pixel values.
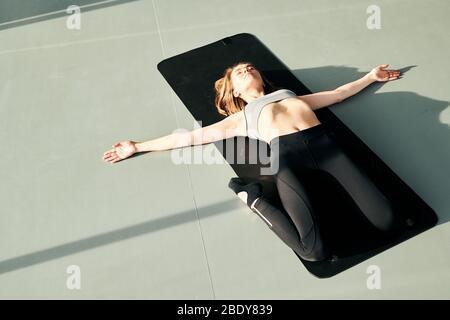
(147, 228)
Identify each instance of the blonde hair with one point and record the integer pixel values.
(226, 103)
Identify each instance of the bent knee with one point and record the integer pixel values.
(317, 254)
(314, 248)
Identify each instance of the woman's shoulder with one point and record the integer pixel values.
(239, 122)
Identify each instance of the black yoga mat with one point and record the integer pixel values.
(192, 75)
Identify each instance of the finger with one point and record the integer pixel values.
(107, 154)
(112, 159)
(110, 150)
(111, 156)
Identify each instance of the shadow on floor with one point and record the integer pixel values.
(106, 238)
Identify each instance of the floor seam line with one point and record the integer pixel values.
(188, 166)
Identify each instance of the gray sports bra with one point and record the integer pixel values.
(253, 109)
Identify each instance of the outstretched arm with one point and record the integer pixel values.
(379, 73)
(326, 98)
(224, 129)
(220, 130)
(351, 88)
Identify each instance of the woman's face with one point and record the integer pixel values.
(245, 76)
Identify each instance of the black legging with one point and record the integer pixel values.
(292, 157)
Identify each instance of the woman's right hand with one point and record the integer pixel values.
(120, 151)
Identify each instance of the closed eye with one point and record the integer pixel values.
(239, 72)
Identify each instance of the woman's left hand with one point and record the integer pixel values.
(380, 73)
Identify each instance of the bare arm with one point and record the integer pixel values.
(326, 98)
(220, 130)
(166, 142)
(229, 127)
(379, 73)
(351, 88)
(321, 99)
